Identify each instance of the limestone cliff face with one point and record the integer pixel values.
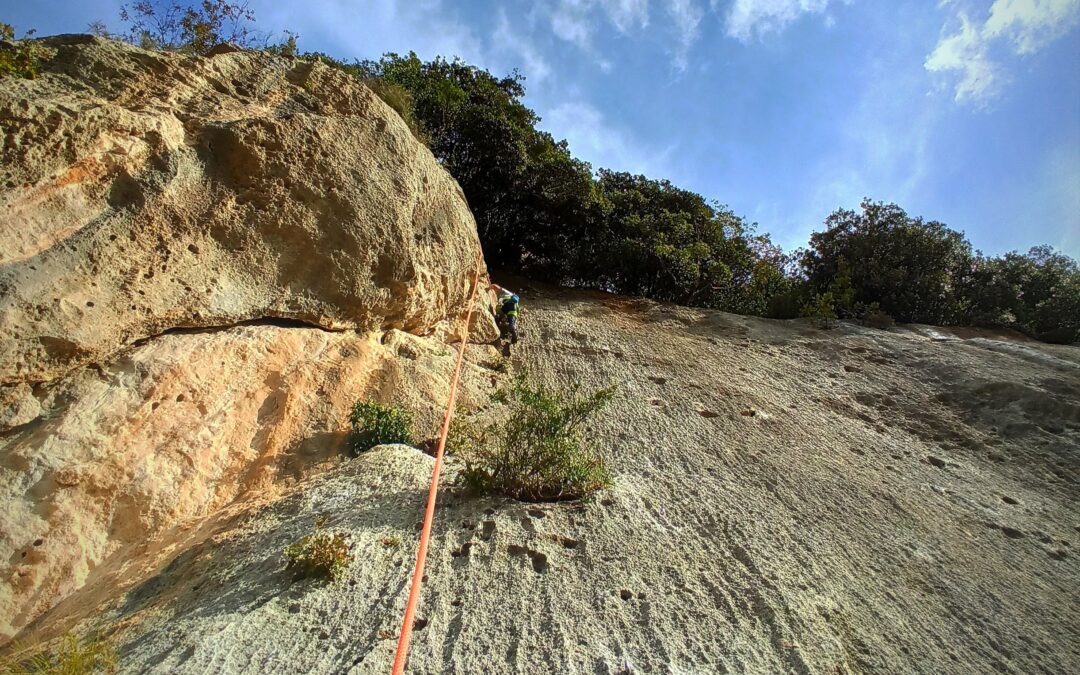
(130, 457)
(784, 500)
(143, 191)
(152, 202)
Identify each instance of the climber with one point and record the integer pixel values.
(506, 312)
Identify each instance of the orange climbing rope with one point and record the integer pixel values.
(421, 555)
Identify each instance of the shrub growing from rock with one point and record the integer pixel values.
(875, 318)
(820, 310)
(320, 554)
(535, 451)
(72, 656)
(19, 58)
(374, 423)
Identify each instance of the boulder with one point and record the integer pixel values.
(204, 263)
(147, 191)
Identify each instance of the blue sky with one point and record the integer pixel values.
(963, 111)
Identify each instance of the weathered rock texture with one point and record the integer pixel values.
(176, 429)
(143, 191)
(145, 195)
(784, 500)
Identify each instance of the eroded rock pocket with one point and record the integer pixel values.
(538, 559)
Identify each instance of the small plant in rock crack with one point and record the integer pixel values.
(71, 656)
(501, 365)
(535, 451)
(391, 541)
(374, 423)
(320, 554)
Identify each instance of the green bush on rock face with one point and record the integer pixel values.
(536, 452)
(376, 424)
(873, 317)
(820, 310)
(73, 656)
(320, 554)
(20, 58)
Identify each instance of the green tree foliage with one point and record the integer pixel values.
(1038, 293)
(910, 267)
(821, 309)
(667, 243)
(19, 58)
(193, 29)
(881, 264)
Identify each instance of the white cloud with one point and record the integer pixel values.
(524, 53)
(1031, 24)
(686, 16)
(967, 52)
(747, 18)
(575, 21)
(627, 15)
(1021, 26)
(426, 26)
(603, 145)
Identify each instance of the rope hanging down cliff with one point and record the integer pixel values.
(425, 534)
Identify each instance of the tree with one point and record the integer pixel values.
(908, 266)
(1037, 293)
(20, 58)
(668, 243)
(195, 29)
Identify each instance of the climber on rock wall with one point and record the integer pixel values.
(506, 313)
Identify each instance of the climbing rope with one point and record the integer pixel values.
(425, 534)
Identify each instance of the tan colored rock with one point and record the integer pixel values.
(180, 427)
(18, 405)
(810, 537)
(143, 191)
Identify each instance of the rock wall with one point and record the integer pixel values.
(784, 500)
(144, 191)
(177, 230)
(168, 433)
